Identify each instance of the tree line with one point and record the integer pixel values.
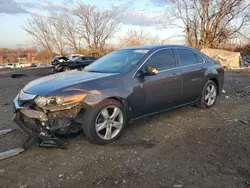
(204, 23)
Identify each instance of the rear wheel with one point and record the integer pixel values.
(104, 122)
(209, 95)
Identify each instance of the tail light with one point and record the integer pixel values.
(218, 62)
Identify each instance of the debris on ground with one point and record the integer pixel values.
(5, 104)
(10, 153)
(227, 97)
(5, 131)
(61, 175)
(178, 186)
(223, 91)
(17, 75)
(243, 121)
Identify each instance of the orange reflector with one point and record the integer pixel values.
(74, 98)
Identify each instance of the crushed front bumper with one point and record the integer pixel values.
(41, 126)
(25, 118)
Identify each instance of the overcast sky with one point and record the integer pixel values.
(138, 13)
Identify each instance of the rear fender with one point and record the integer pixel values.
(212, 74)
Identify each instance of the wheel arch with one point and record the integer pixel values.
(212, 74)
(125, 103)
(215, 79)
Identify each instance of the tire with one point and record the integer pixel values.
(92, 115)
(203, 101)
(66, 69)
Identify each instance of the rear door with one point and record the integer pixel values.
(193, 69)
(163, 90)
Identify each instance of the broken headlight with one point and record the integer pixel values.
(59, 100)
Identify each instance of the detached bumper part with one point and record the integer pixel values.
(40, 126)
(40, 136)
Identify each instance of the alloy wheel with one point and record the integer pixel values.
(210, 95)
(109, 122)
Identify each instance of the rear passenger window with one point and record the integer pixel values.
(187, 57)
(163, 60)
(199, 59)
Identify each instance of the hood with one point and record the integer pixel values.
(48, 84)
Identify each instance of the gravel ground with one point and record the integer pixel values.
(187, 147)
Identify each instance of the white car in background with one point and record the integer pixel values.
(20, 65)
(10, 65)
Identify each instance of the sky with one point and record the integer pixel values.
(138, 14)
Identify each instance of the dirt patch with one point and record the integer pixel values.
(187, 147)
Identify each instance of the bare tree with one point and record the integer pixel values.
(97, 25)
(38, 27)
(139, 37)
(56, 32)
(70, 30)
(208, 23)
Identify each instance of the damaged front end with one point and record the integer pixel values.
(41, 117)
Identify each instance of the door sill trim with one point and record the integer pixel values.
(168, 109)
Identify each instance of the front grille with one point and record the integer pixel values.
(32, 125)
(27, 104)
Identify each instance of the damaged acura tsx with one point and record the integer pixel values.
(118, 88)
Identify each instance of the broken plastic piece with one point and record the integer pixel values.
(10, 153)
(44, 139)
(5, 131)
(223, 91)
(56, 143)
(50, 141)
(34, 114)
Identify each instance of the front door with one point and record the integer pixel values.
(163, 90)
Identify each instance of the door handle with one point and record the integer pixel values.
(175, 74)
(201, 68)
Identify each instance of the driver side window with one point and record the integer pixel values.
(162, 60)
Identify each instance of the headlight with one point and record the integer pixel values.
(59, 100)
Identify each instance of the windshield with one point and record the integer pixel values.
(117, 62)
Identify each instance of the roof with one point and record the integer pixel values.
(152, 47)
(75, 55)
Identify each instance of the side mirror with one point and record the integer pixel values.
(150, 70)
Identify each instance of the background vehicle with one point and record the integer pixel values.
(59, 59)
(10, 65)
(73, 56)
(43, 65)
(76, 63)
(33, 65)
(20, 65)
(120, 87)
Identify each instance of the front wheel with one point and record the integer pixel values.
(66, 69)
(209, 95)
(104, 122)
